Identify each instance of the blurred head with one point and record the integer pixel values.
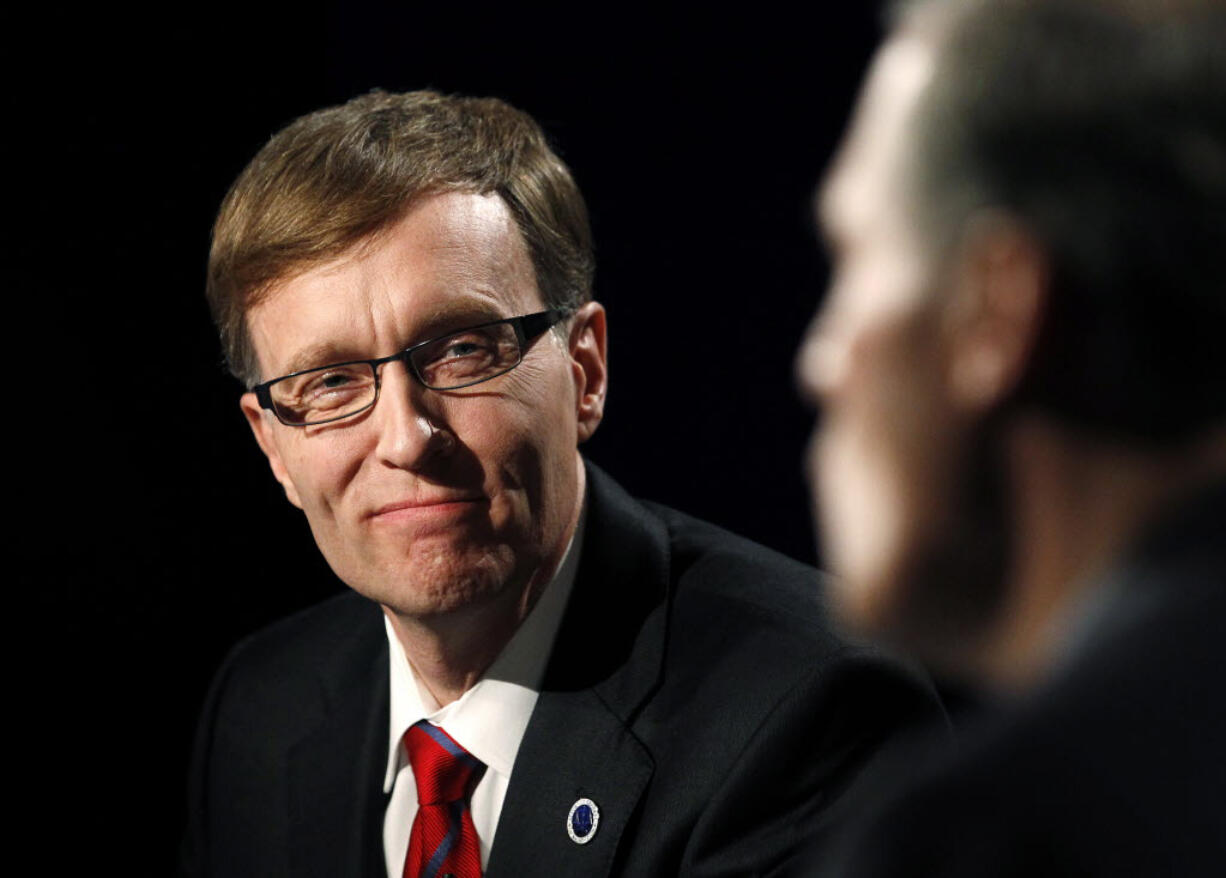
(1025, 216)
(417, 221)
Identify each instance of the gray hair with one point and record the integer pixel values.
(1101, 125)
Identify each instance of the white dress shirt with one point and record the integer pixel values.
(488, 720)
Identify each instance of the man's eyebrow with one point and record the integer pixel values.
(457, 315)
(320, 354)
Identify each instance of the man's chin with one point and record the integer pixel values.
(439, 583)
(946, 600)
(861, 604)
(937, 593)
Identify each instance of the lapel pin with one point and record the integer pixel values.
(582, 821)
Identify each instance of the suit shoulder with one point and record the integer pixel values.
(755, 672)
(739, 608)
(745, 583)
(315, 643)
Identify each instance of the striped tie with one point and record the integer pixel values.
(443, 840)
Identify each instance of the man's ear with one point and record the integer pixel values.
(589, 366)
(262, 430)
(999, 294)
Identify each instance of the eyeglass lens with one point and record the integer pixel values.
(331, 392)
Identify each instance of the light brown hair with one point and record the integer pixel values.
(332, 178)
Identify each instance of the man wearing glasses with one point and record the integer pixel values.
(533, 674)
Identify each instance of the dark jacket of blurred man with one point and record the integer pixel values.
(533, 673)
(1021, 466)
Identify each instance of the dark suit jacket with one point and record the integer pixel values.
(1117, 767)
(695, 693)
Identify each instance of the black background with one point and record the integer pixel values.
(153, 536)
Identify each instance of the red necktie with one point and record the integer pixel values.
(443, 840)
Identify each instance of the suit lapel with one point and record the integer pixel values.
(605, 663)
(337, 804)
(574, 749)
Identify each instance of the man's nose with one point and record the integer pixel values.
(821, 360)
(410, 424)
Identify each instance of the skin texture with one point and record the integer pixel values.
(450, 509)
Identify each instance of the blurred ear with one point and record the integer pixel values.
(261, 428)
(993, 318)
(589, 366)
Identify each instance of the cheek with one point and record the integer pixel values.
(547, 452)
(862, 511)
(889, 384)
(543, 395)
(525, 435)
(322, 468)
(877, 459)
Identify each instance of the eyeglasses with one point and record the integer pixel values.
(449, 362)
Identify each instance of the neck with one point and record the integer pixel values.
(1076, 505)
(450, 652)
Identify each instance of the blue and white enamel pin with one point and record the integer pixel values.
(582, 821)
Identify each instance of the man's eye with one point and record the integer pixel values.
(464, 348)
(335, 379)
(467, 356)
(333, 382)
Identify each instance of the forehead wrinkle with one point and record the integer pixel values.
(503, 266)
(474, 247)
(463, 285)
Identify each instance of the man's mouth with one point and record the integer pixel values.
(424, 507)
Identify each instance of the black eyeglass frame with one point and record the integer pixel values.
(528, 327)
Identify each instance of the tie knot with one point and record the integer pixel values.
(442, 768)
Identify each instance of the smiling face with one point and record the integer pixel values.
(433, 501)
(883, 460)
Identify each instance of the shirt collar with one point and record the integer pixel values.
(489, 720)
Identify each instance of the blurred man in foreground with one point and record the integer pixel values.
(1021, 467)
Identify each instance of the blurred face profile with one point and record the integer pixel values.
(882, 461)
